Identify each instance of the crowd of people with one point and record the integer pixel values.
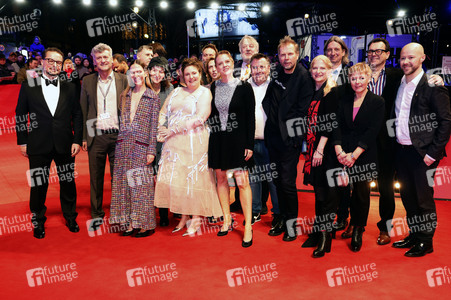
(196, 142)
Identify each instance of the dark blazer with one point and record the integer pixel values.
(227, 147)
(428, 100)
(88, 100)
(361, 132)
(294, 102)
(56, 132)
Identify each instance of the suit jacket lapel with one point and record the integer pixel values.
(119, 89)
(62, 97)
(93, 91)
(419, 87)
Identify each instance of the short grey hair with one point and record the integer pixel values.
(100, 47)
(251, 39)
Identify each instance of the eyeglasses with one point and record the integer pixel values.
(51, 61)
(377, 51)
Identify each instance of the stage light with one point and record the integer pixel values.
(390, 22)
(164, 4)
(146, 36)
(135, 24)
(343, 37)
(135, 9)
(266, 8)
(401, 13)
(397, 185)
(113, 2)
(241, 7)
(20, 1)
(373, 184)
(214, 5)
(306, 16)
(57, 1)
(190, 5)
(139, 3)
(87, 2)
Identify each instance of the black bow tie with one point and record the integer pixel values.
(48, 81)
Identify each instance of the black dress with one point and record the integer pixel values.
(226, 147)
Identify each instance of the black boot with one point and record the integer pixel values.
(312, 241)
(164, 219)
(324, 244)
(356, 240)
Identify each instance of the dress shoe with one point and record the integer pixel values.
(176, 229)
(356, 241)
(255, 218)
(407, 242)
(223, 233)
(348, 232)
(249, 243)
(39, 231)
(340, 225)
(290, 235)
(73, 226)
(324, 244)
(278, 228)
(312, 241)
(144, 233)
(128, 232)
(383, 238)
(420, 249)
(275, 219)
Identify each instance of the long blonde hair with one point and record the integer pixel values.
(330, 81)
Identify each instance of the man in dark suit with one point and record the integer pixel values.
(422, 127)
(54, 108)
(338, 53)
(100, 103)
(287, 99)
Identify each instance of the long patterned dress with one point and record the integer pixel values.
(132, 200)
(185, 183)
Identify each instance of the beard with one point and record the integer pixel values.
(412, 70)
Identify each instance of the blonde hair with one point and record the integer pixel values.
(360, 68)
(288, 40)
(68, 60)
(330, 81)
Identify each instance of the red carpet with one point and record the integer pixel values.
(67, 265)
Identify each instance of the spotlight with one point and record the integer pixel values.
(397, 185)
(266, 8)
(306, 16)
(163, 4)
(135, 9)
(146, 36)
(135, 24)
(113, 2)
(20, 1)
(214, 5)
(390, 22)
(87, 2)
(57, 1)
(401, 13)
(373, 184)
(139, 3)
(241, 7)
(190, 5)
(343, 37)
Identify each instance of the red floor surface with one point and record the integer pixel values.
(103, 265)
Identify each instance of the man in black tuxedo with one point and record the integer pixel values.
(53, 108)
(100, 103)
(422, 127)
(287, 99)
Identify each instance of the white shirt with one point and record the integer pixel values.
(260, 116)
(402, 108)
(336, 72)
(107, 117)
(51, 94)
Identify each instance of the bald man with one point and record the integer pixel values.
(422, 129)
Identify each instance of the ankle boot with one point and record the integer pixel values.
(348, 232)
(356, 241)
(312, 240)
(324, 244)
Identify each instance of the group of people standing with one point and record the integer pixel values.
(201, 135)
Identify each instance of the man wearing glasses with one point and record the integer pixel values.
(55, 133)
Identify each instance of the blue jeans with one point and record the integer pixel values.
(263, 172)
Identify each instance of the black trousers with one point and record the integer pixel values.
(40, 175)
(101, 146)
(286, 160)
(326, 200)
(416, 194)
(360, 203)
(385, 182)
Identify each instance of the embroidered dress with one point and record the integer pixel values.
(132, 200)
(185, 183)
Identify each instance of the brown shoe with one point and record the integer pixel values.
(383, 238)
(348, 232)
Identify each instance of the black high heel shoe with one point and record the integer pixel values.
(145, 233)
(248, 244)
(324, 244)
(222, 233)
(356, 240)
